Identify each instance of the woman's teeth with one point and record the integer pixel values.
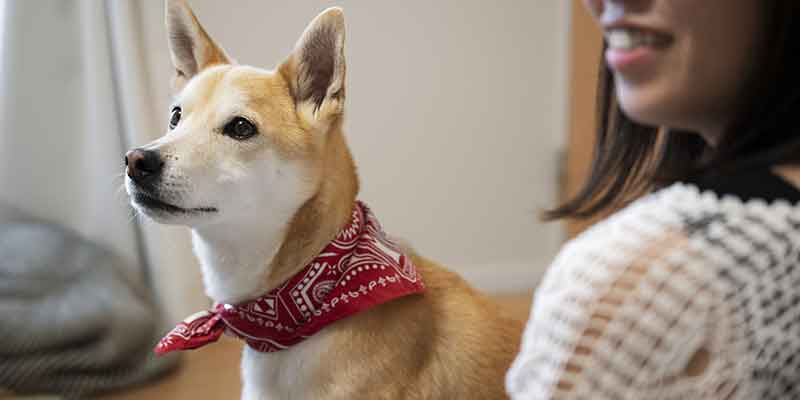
(629, 39)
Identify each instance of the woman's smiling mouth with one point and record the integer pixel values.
(631, 48)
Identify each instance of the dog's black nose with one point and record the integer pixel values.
(144, 166)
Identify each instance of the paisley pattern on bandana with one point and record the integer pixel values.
(359, 269)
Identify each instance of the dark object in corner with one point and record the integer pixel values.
(70, 321)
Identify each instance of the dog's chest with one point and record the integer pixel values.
(286, 374)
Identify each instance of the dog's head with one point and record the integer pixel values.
(240, 139)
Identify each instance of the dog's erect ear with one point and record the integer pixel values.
(316, 67)
(191, 48)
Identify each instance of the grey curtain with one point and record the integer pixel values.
(74, 98)
(62, 129)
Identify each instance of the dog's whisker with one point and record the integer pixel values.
(118, 177)
(131, 215)
(121, 196)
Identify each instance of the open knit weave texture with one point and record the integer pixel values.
(679, 273)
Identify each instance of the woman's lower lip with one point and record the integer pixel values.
(629, 59)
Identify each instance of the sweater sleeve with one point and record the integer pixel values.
(628, 312)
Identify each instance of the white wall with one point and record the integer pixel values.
(456, 112)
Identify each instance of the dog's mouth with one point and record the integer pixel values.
(154, 203)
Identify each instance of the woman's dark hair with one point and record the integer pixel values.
(630, 157)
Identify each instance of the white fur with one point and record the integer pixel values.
(256, 200)
(235, 254)
(235, 258)
(236, 249)
(282, 375)
(254, 190)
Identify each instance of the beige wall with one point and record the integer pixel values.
(586, 46)
(456, 113)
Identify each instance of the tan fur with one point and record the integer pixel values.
(449, 343)
(179, 15)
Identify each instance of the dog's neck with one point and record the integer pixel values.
(247, 260)
(234, 259)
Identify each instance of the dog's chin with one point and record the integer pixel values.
(168, 213)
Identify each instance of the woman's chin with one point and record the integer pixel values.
(648, 106)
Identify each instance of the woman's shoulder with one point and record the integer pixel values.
(754, 207)
(702, 227)
(752, 198)
(694, 266)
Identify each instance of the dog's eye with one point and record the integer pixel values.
(175, 117)
(239, 129)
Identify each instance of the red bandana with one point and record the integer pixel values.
(359, 269)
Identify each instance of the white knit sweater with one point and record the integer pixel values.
(680, 274)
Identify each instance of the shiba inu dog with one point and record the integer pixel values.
(255, 163)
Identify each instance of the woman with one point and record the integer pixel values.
(693, 291)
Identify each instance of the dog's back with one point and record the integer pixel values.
(449, 343)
